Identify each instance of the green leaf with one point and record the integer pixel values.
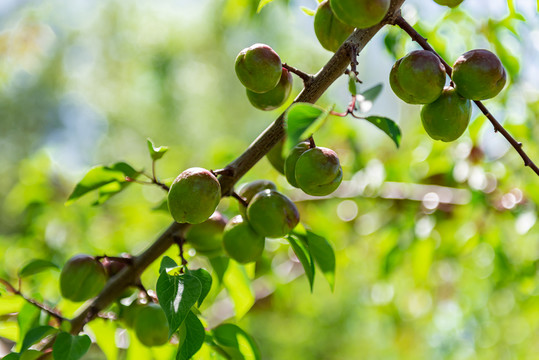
(28, 318)
(308, 11)
(156, 153)
(352, 83)
(301, 249)
(324, 256)
(70, 347)
(162, 206)
(177, 294)
(365, 100)
(261, 5)
(302, 120)
(372, 93)
(100, 176)
(205, 279)
(219, 265)
(36, 334)
(238, 286)
(36, 266)
(104, 331)
(31, 355)
(193, 338)
(12, 356)
(388, 126)
(167, 263)
(236, 342)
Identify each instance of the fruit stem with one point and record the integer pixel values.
(415, 36)
(240, 199)
(307, 78)
(312, 145)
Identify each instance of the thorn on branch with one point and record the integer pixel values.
(307, 78)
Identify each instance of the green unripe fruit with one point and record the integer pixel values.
(318, 171)
(207, 237)
(151, 326)
(249, 190)
(450, 3)
(241, 242)
(418, 78)
(276, 158)
(259, 68)
(360, 13)
(330, 31)
(479, 75)
(82, 278)
(194, 196)
(275, 97)
(272, 214)
(129, 314)
(446, 118)
(290, 162)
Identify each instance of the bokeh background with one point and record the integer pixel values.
(437, 244)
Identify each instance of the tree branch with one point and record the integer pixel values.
(404, 25)
(333, 69)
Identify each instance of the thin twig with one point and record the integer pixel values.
(53, 312)
(307, 78)
(404, 25)
(180, 241)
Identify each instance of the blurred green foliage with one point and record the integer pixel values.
(437, 251)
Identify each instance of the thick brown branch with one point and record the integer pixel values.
(333, 69)
(404, 25)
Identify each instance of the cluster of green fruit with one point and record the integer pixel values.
(335, 20)
(193, 198)
(268, 214)
(420, 77)
(268, 84)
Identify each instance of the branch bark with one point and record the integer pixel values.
(333, 69)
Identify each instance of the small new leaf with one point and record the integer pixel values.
(302, 120)
(101, 176)
(306, 10)
(156, 152)
(388, 126)
(261, 5)
(352, 83)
